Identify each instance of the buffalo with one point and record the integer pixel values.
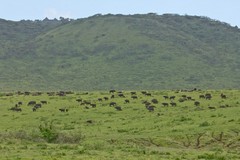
(165, 104)
(112, 104)
(31, 103)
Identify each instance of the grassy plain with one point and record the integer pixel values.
(208, 131)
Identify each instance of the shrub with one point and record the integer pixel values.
(48, 132)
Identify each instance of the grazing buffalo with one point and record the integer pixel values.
(20, 103)
(63, 110)
(112, 104)
(150, 108)
(181, 99)
(223, 96)
(133, 93)
(172, 97)
(79, 100)
(173, 104)
(34, 109)
(43, 102)
(93, 105)
(154, 101)
(208, 96)
(165, 104)
(196, 103)
(38, 105)
(118, 108)
(201, 96)
(16, 109)
(105, 98)
(89, 121)
(189, 98)
(112, 96)
(211, 107)
(31, 103)
(121, 95)
(148, 94)
(144, 92)
(112, 91)
(165, 97)
(99, 99)
(127, 101)
(134, 97)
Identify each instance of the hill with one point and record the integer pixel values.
(119, 51)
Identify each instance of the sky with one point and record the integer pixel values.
(223, 10)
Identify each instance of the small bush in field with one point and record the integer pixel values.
(48, 132)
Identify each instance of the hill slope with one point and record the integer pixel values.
(124, 52)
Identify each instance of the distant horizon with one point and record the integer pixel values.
(220, 10)
(58, 18)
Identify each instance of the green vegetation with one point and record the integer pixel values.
(116, 51)
(69, 126)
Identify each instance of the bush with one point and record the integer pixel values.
(48, 132)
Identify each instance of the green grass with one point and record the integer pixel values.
(133, 133)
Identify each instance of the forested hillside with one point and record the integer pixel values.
(119, 51)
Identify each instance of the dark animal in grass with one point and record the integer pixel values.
(87, 102)
(79, 100)
(112, 91)
(112, 104)
(143, 92)
(196, 103)
(181, 100)
(31, 103)
(172, 97)
(154, 101)
(43, 102)
(112, 96)
(38, 105)
(208, 96)
(211, 107)
(121, 95)
(223, 96)
(118, 108)
(63, 110)
(184, 96)
(105, 98)
(173, 104)
(99, 99)
(127, 101)
(189, 98)
(146, 103)
(89, 121)
(20, 103)
(165, 104)
(134, 97)
(133, 93)
(17, 109)
(201, 96)
(34, 109)
(165, 97)
(150, 108)
(93, 105)
(148, 94)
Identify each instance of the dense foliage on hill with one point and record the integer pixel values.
(119, 51)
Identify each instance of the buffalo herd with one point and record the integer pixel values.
(148, 99)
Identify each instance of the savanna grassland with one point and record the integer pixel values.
(83, 125)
